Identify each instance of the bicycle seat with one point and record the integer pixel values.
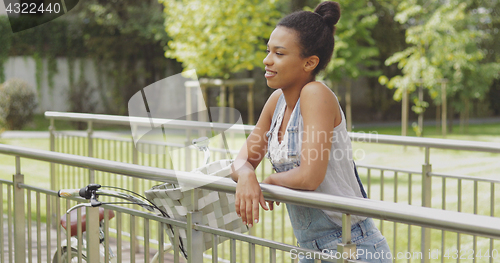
(73, 215)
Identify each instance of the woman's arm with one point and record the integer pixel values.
(320, 113)
(248, 192)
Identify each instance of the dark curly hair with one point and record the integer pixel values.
(315, 31)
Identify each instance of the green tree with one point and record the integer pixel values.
(5, 42)
(444, 42)
(355, 50)
(219, 37)
(125, 38)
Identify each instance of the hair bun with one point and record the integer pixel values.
(330, 11)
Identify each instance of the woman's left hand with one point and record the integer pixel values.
(268, 180)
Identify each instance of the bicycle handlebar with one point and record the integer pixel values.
(85, 192)
(92, 191)
(69, 192)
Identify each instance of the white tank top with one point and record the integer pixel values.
(340, 179)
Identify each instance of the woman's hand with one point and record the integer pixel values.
(248, 192)
(248, 197)
(268, 180)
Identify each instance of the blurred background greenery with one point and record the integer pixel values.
(102, 52)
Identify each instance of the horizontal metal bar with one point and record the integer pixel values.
(465, 177)
(375, 167)
(252, 239)
(356, 137)
(159, 143)
(398, 212)
(428, 217)
(84, 134)
(147, 215)
(426, 142)
(43, 190)
(244, 237)
(219, 82)
(127, 120)
(6, 182)
(112, 207)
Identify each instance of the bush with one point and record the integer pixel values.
(17, 104)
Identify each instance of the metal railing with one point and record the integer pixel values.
(405, 185)
(488, 227)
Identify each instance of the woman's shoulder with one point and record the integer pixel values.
(271, 102)
(317, 97)
(315, 90)
(274, 96)
(270, 105)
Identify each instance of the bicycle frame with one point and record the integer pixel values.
(73, 246)
(92, 192)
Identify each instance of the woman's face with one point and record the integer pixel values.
(284, 64)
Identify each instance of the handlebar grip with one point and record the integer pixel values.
(68, 192)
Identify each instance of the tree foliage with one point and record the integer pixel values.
(17, 104)
(125, 38)
(444, 43)
(219, 37)
(355, 48)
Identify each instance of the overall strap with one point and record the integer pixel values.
(361, 188)
(293, 131)
(279, 104)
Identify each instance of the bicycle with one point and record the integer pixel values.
(93, 191)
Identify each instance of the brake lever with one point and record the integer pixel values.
(93, 203)
(93, 199)
(78, 206)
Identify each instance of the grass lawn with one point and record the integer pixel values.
(474, 131)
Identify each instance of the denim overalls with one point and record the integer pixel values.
(312, 227)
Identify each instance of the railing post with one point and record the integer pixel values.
(194, 237)
(53, 149)
(19, 215)
(135, 160)
(135, 180)
(90, 142)
(426, 202)
(187, 154)
(346, 248)
(53, 181)
(93, 253)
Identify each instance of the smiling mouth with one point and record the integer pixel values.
(270, 73)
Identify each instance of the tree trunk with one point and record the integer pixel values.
(450, 116)
(404, 113)
(348, 108)
(467, 111)
(438, 117)
(421, 114)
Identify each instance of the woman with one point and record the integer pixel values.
(303, 129)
